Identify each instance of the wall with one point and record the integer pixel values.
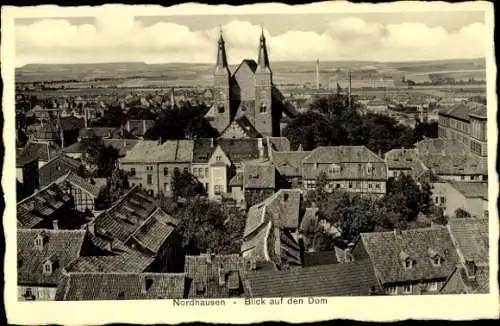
(202, 173)
(455, 200)
(41, 293)
(218, 177)
(234, 131)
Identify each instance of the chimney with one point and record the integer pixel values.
(144, 127)
(85, 117)
(317, 73)
(109, 245)
(349, 91)
(222, 275)
(91, 227)
(209, 256)
(55, 224)
(211, 142)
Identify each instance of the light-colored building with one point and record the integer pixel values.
(469, 196)
(151, 164)
(347, 168)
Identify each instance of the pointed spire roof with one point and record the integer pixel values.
(263, 61)
(221, 54)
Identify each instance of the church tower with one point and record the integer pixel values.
(221, 110)
(264, 121)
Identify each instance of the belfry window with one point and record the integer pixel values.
(263, 108)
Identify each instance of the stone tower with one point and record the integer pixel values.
(264, 121)
(222, 114)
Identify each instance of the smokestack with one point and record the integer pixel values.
(317, 73)
(349, 91)
(172, 99)
(85, 117)
(61, 131)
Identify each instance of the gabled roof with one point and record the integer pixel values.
(351, 279)
(278, 144)
(440, 146)
(71, 123)
(259, 176)
(463, 109)
(244, 124)
(470, 236)
(250, 63)
(386, 250)
(121, 145)
(238, 150)
(57, 167)
(340, 154)
(150, 151)
(401, 158)
(289, 164)
(40, 206)
(59, 246)
(478, 189)
(79, 182)
(120, 286)
(453, 164)
(43, 151)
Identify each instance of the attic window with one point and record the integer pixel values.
(409, 263)
(49, 266)
(436, 261)
(39, 241)
(285, 197)
(263, 109)
(221, 109)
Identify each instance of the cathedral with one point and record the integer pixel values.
(246, 103)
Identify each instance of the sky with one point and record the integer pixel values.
(115, 37)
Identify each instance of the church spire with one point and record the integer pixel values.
(221, 53)
(263, 61)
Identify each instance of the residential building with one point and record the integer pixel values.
(139, 127)
(79, 149)
(469, 196)
(120, 286)
(465, 122)
(26, 175)
(83, 192)
(271, 230)
(41, 150)
(353, 279)
(216, 276)
(348, 168)
(137, 222)
(248, 91)
(58, 167)
(470, 237)
(151, 164)
(259, 181)
(289, 168)
(41, 257)
(49, 208)
(414, 261)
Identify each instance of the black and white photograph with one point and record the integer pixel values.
(234, 159)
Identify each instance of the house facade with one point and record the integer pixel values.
(469, 196)
(84, 193)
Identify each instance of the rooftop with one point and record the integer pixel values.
(477, 189)
(259, 176)
(148, 151)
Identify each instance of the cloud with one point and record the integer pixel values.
(118, 37)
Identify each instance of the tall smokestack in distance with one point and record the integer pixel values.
(317, 73)
(85, 116)
(172, 99)
(349, 91)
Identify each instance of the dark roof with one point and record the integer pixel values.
(146, 151)
(153, 233)
(246, 126)
(237, 179)
(40, 206)
(320, 258)
(59, 247)
(48, 131)
(105, 132)
(79, 182)
(478, 189)
(202, 273)
(289, 164)
(389, 250)
(248, 62)
(42, 151)
(238, 150)
(463, 109)
(139, 127)
(57, 167)
(71, 123)
(470, 237)
(259, 176)
(121, 145)
(278, 144)
(351, 279)
(121, 286)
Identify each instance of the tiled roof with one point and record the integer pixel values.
(202, 273)
(470, 236)
(249, 62)
(79, 182)
(137, 126)
(153, 233)
(278, 144)
(388, 251)
(127, 214)
(259, 176)
(289, 164)
(48, 131)
(43, 151)
(479, 111)
(401, 158)
(121, 145)
(246, 126)
(356, 278)
(104, 132)
(449, 164)
(478, 189)
(320, 258)
(238, 150)
(463, 109)
(40, 206)
(351, 161)
(59, 248)
(237, 179)
(71, 123)
(150, 151)
(57, 167)
(440, 146)
(121, 286)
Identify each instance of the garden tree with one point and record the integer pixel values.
(101, 156)
(113, 117)
(462, 213)
(116, 186)
(184, 122)
(329, 122)
(138, 113)
(426, 129)
(206, 225)
(185, 185)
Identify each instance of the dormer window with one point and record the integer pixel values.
(333, 169)
(39, 241)
(437, 261)
(408, 264)
(263, 109)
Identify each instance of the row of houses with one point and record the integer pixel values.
(133, 251)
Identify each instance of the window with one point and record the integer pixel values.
(350, 184)
(221, 109)
(218, 189)
(369, 168)
(47, 268)
(433, 286)
(337, 185)
(132, 171)
(443, 200)
(186, 169)
(28, 292)
(150, 179)
(407, 289)
(408, 264)
(370, 185)
(39, 242)
(166, 186)
(218, 158)
(206, 172)
(263, 109)
(392, 290)
(462, 177)
(377, 185)
(165, 172)
(436, 261)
